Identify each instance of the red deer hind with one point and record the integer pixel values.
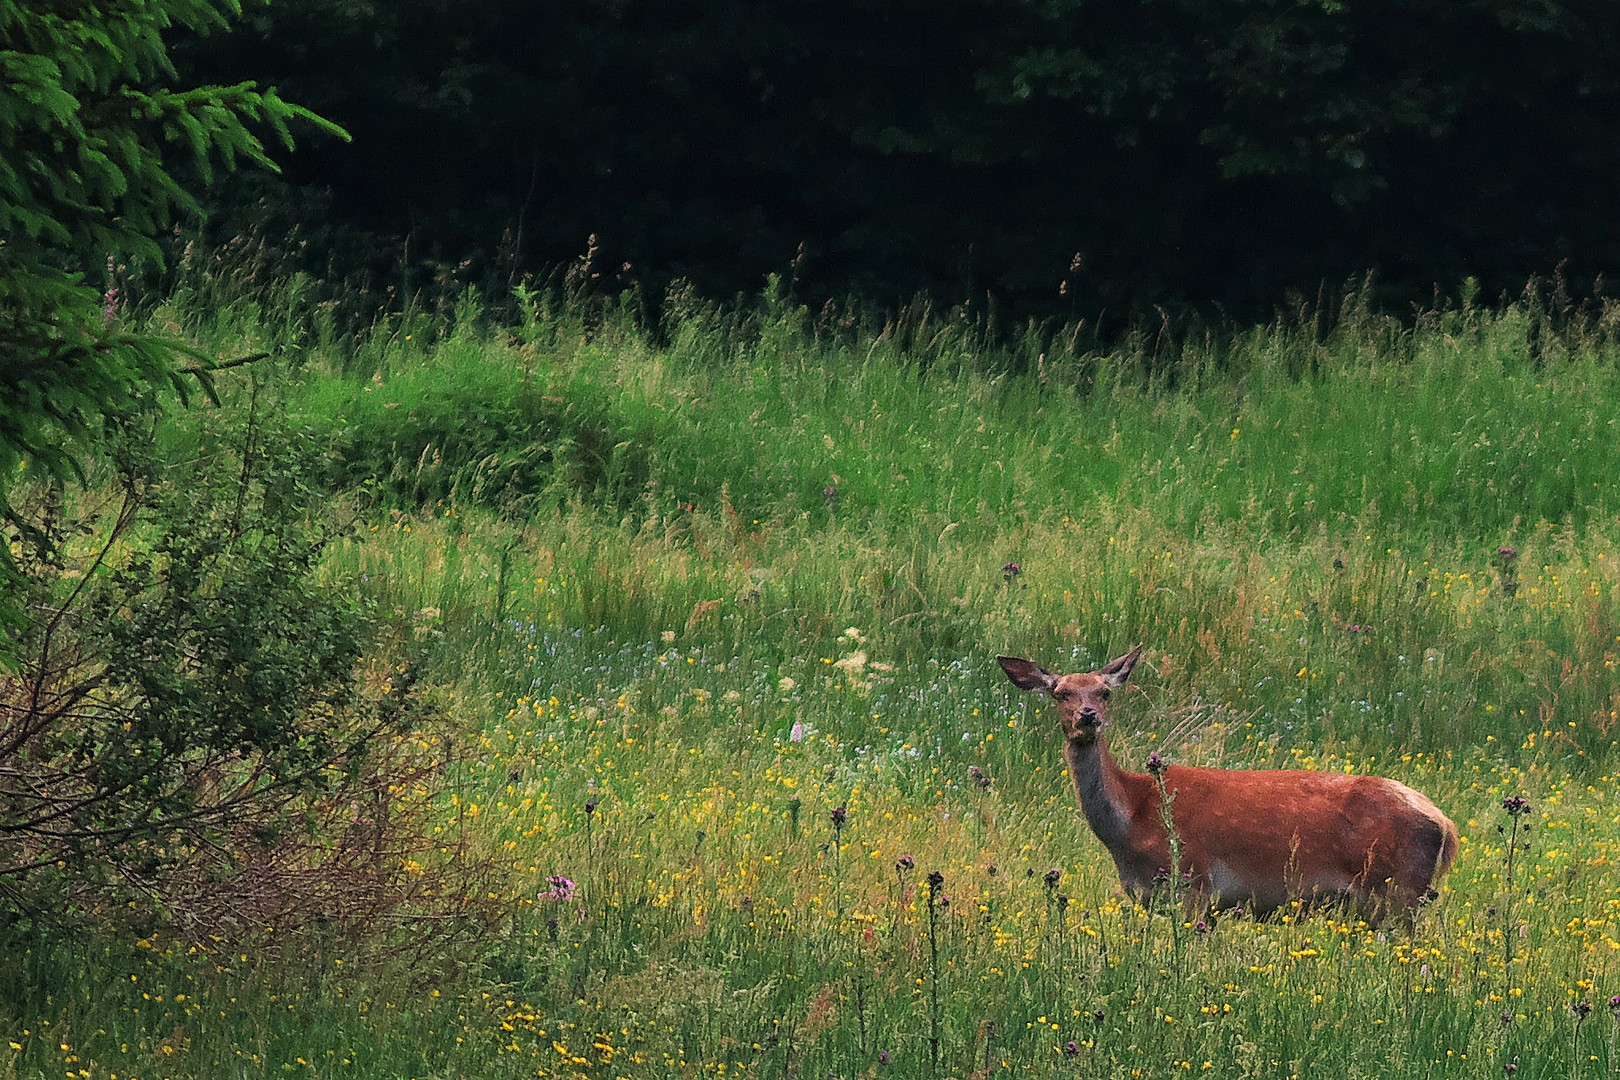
(1250, 838)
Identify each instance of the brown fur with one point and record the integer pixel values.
(1250, 838)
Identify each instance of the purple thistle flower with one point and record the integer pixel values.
(840, 814)
(1071, 1049)
(1516, 805)
(905, 863)
(1052, 877)
(980, 777)
(561, 888)
(883, 1057)
(1155, 764)
(1506, 554)
(1011, 570)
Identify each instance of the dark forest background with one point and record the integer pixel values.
(1059, 156)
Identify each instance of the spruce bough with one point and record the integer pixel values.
(99, 153)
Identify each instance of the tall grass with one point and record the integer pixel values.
(694, 591)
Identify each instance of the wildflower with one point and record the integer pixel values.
(1200, 927)
(1516, 805)
(561, 888)
(1505, 554)
(590, 807)
(853, 664)
(1010, 571)
(786, 684)
(830, 494)
(883, 1057)
(797, 732)
(1581, 1009)
(1510, 1067)
(1614, 1006)
(1071, 1049)
(1052, 877)
(1155, 764)
(935, 880)
(980, 777)
(839, 815)
(905, 863)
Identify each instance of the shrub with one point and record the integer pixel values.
(197, 719)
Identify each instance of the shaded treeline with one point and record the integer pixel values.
(1069, 156)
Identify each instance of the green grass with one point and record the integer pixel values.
(675, 653)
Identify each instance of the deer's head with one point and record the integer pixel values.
(1082, 698)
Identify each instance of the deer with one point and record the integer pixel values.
(1250, 839)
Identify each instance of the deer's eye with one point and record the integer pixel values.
(1103, 693)
(1062, 695)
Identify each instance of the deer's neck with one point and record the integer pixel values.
(1100, 786)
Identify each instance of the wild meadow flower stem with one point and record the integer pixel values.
(1062, 964)
(902, 866)
(1157, 767)
(1582, 1009)
(839, 815)
(1614, 1029)
(1516, 806)
(1055, 907)
(860, 1009)
(590, 846)
(935, 880)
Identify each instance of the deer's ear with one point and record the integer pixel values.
(1027, 675)
(1119, 670)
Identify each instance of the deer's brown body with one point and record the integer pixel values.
(1250, 838)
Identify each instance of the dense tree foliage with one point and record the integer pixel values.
(1065, 154)
(101, 148)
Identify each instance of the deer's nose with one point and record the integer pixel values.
(1088, 716)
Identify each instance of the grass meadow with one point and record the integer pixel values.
(715, 611)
